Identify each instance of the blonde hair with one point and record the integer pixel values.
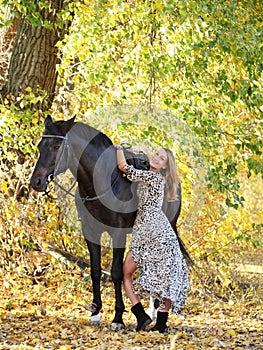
(172, 180)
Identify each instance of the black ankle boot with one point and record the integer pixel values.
(160, 325)
(143, 319)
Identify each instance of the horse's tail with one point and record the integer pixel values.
(184, 251)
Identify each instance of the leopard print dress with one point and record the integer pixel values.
(155, 249)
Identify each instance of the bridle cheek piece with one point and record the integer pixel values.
(51, 178)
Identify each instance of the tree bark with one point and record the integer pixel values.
(7, 36)
(35, 56)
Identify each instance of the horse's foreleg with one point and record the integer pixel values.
(117, 277)
(95, 272)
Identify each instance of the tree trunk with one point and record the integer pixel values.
(34, 58)
(7, 35)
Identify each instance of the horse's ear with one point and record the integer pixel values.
(68, 124)
(48, 121)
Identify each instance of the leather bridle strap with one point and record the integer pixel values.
(83, 199)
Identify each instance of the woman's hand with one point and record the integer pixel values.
(121, 161)
(118, 146)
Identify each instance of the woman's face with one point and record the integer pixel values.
(158, 161)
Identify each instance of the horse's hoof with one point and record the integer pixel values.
(94, 320)
(116, 326)
(92, 307)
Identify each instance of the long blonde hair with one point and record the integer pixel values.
(172, 180)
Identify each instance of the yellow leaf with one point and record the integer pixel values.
(35, 120)
(178, 336)
(231, 332)
(45, 245)
(4, 187)
(191, 346)
(159, 6)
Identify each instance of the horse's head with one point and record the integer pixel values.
(49, 149)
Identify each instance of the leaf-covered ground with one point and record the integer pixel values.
(51, 313)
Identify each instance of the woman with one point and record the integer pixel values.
(155, 250)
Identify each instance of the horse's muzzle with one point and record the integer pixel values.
(39, 183)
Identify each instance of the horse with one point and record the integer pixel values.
(105, 199)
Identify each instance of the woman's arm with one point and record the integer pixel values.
(121, 161)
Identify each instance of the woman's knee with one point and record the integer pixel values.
(127, 271)
(129, 266)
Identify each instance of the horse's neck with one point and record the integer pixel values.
(92, 160)
(95, 174)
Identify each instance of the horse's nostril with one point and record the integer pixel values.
(36, 183)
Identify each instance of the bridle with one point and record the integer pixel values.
(51, 178)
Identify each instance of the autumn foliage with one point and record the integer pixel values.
(180, 74)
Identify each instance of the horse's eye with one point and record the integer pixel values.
(54, 148)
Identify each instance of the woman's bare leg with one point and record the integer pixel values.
(129, 267)
(167, 305)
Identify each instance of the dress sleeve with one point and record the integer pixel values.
(136, 175)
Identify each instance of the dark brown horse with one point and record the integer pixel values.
(105, 200)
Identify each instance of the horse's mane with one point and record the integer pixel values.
(81, 135)
(87, 133)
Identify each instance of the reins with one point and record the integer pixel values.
(68, 192)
